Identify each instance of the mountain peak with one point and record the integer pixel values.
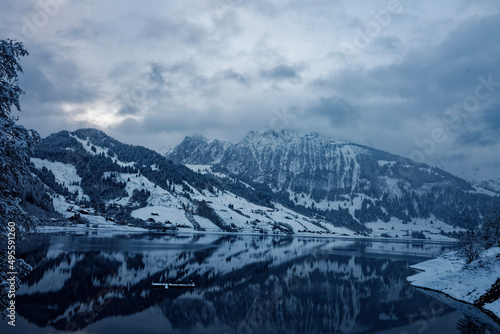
(282, 133)
(196, 138)
(197, 149)
(287, 135)
(90, 133)
(320, 172)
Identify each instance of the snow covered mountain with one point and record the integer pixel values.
(274, 182)
(492, 185)
(197, 148)
(342, 180)
(95, 179)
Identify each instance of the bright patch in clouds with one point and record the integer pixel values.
(98, 115)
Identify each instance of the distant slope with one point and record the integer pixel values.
(91, 172)
(341, 180)
(492, 185)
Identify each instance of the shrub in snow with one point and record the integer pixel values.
(470, 246)
(418, 235)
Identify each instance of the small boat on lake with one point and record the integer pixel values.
(177, 285)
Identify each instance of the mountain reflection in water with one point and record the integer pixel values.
(244, 284)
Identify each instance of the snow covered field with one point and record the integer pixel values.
(473, 284)
(165, 205)
(161, 214)
(65, 175)
(97, 225)
(203, 169)
(431, 227)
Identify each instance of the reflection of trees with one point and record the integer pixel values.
(135, 262)
(467, 326)
(88, 277)
(320, 292)
(286, 297)
(186, 313)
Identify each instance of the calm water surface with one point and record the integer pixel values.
(244, 284)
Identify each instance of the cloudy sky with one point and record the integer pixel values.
(417, 78)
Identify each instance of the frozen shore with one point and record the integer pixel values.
(477, 283)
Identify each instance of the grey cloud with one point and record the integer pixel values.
(212, 121)
(491, 116)
(282, 72)
(434, 74)
(338, 110)
(50, 80)
(472, 138)
(156, 74)
(387, 44)
(64, 84)
(479, 130)
(402, 96)
(127, 110)
(428, 82)
(87, 29)
(231, 74)
(179, 30)
(261, 7)
(48, 118)
(230, 3)
(161, 84)
(227, 25)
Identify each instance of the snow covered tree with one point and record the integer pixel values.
(470, 246)
(15, 140)
(10, 52)
(15, 143)
(490, 230)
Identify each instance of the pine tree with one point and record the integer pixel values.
(15, 143)
(490, 230)
(15, 140)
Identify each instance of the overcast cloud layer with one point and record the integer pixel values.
(417, 78)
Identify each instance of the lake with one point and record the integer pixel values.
(244, 284)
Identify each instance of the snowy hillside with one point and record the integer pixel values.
(270, 183)
(344, 181)
(135, 186)
(65, 174)
(491, 186)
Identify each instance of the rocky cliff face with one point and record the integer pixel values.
(197, 148)
(308, 163)
(323, 173)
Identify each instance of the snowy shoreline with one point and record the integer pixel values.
(477, 283)
(119, 229)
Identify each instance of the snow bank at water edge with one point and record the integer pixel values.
(477, 283)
